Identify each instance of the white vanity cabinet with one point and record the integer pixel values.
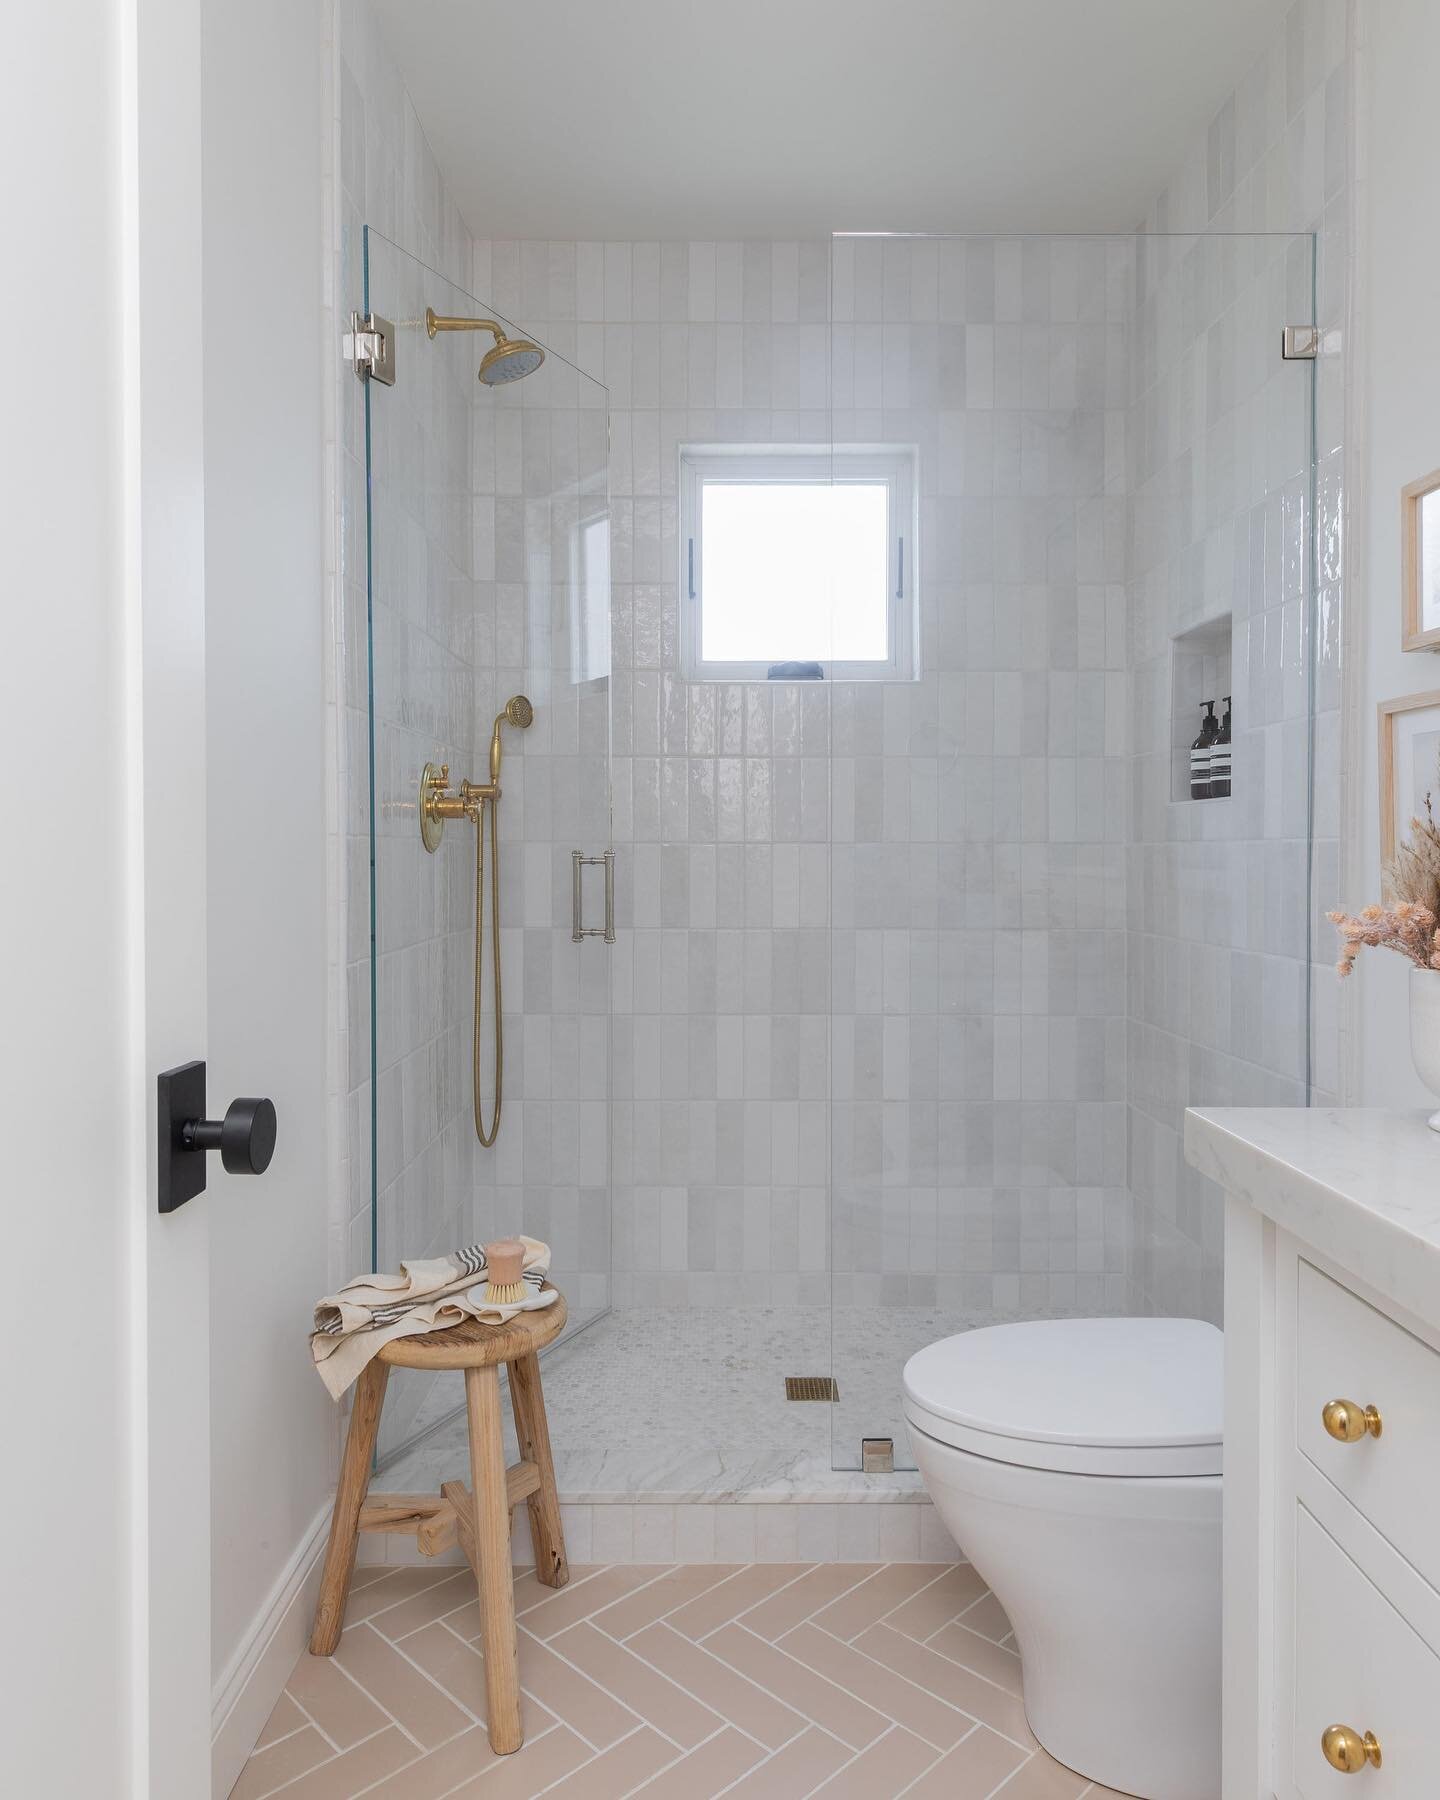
(1332, 1450)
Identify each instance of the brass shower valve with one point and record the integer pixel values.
(439, 802)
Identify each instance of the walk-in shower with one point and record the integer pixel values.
(914, 977)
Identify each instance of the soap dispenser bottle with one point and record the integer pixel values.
(1220, 758)
(1200, 754)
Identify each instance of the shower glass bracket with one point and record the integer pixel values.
(370, 345)
(579, 930)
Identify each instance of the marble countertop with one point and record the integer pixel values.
(1358, 1184)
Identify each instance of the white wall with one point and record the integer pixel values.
(1401, 270)
(273, 1427)
(63, 1056)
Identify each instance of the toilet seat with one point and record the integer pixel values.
(1128, 1397)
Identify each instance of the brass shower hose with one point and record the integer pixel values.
(487, 807)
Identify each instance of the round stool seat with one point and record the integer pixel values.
(472, 1345)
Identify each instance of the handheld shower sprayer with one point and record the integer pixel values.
(517, 711)
(475, 801)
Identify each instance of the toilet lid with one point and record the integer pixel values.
(1087, 1396)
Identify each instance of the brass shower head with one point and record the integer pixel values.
(510, 358)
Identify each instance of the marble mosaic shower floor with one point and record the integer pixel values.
(845, 1681)
(682, 1404)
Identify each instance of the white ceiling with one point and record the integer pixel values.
(782, 118)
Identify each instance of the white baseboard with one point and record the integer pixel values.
(245, 1694)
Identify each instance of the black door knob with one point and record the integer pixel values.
(245, 1137)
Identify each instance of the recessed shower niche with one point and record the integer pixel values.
(1199, 676)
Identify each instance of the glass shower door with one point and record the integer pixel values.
(487, 578)
(1044, 947)
(545, 443)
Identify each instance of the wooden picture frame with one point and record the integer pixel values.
(1409, 764)
(1420, 563)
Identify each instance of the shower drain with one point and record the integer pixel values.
(811, 1387)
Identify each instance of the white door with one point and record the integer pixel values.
(102, 919)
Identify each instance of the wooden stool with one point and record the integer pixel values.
(479, 1516)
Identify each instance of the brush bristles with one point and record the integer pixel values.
(505, 1293)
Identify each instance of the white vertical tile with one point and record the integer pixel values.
(654, 1535)
(936, 1543)
(735, 1533)
(777, 1534)
(695, 1534)
(577, 1523)
(612, 1533)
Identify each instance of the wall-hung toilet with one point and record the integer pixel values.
(1076, 1462)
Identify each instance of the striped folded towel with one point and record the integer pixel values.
(428, 1295)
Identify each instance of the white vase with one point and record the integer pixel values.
(1425, 1031)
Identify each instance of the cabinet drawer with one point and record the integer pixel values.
(1349, 1351)
(1358, 1664)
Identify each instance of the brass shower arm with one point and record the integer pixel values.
(438, 322)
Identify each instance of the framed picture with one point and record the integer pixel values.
(1409, 765)
(1420, 564)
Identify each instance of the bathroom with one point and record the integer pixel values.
(813, 799)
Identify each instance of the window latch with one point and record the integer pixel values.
(691, 571)
(900, 570)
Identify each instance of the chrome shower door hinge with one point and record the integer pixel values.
(1303, 343)
(370, 345)
(578, 928)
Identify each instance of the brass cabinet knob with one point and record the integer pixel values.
(1347, 1421)
(1348, 1751)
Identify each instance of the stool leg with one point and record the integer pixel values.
(533, 1433)
(349, 1498)
(492, 1556)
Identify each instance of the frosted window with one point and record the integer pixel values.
(795, 571)
(798, 554)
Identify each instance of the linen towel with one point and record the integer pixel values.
(427, 1295)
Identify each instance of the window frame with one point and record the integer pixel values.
(894, 465)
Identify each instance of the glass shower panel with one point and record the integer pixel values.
(542, 447)
(488, 577)
(1043, 948)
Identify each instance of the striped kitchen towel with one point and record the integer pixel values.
(426, 1295)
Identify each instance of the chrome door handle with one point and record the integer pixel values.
(578, 928)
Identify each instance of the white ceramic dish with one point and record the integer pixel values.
(531, 1302)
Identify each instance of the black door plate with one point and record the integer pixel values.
(181, 1097)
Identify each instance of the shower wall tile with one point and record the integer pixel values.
(1220, 962)
(954, 831)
